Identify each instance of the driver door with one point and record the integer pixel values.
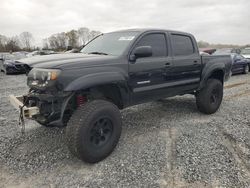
(148, 74)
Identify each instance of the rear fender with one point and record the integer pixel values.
(210, 70)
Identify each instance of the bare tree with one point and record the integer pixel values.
(45, 44)
(72, 38)
(53, 43)
(3, 42)
(13, 44)
(26, 39)
(62, 40)
(83, 34)
(93, 34)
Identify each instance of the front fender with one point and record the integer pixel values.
(95, 79)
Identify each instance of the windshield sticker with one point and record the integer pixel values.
(127, 38)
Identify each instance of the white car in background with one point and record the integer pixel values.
(40, 52)
(246, 53)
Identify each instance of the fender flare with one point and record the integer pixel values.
(209, 71)
(95, 79)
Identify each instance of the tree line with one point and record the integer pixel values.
(58, 42)
(23, 41)
(73, 38)
(204, 44)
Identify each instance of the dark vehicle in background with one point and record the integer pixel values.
(84, 91)
(240, 65)
(9, 63)
(40, 52)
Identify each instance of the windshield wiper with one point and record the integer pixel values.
(98, 53)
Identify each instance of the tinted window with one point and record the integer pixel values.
(157, 42)
(182, 45)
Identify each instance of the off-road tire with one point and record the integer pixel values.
(84, 121)
(208, 100)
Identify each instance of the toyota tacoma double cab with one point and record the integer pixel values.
(86, 91)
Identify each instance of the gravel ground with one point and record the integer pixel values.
(163, 144)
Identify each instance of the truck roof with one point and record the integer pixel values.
(142, 30)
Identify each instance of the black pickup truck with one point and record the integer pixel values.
(113, 71)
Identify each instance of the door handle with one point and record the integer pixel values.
(168, 64)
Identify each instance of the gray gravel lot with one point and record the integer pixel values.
(167, 143)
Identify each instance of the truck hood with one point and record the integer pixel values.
(62, 61)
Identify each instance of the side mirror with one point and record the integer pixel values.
(143, 51)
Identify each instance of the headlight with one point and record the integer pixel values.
(41, 78)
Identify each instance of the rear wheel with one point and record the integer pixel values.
(209, 99)
(94, 130)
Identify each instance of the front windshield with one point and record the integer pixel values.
(245, 51)
(110, 43)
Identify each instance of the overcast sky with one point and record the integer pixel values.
(215, 21)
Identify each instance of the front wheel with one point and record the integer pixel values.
(94, 130)
(208, 100)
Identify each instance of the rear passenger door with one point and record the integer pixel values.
(186, 64)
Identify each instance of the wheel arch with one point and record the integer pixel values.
(217, 73)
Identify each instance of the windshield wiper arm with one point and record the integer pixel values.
(98, 53)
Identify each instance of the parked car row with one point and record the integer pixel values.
(10, 64)
(240, 64)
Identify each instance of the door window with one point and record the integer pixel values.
(157, 42)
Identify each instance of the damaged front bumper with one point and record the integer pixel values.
(45, 108)
(18, 103)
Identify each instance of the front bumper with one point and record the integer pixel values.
(18, 103)
(44, 108)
